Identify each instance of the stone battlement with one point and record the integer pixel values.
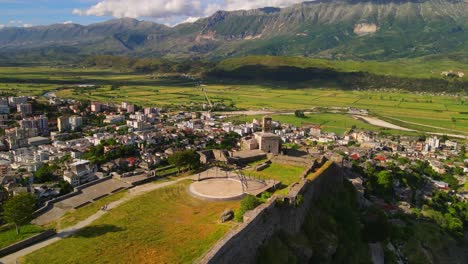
(287, 214)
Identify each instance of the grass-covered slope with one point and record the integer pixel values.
(163, 226)
(8, 234)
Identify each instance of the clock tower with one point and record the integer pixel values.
(267, 124)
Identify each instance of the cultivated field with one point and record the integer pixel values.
(163, 226)
(444, 113)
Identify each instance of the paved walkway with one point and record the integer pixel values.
(139, 190)
(87, 195)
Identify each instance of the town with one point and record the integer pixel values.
(97, 137)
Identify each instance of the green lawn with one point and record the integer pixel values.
(287, 174)
(9, 236)
(164, 226)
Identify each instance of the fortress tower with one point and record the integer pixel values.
(267, 124)
(267, 141)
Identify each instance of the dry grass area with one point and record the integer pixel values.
(163, 226)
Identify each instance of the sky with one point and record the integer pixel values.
(26, 13)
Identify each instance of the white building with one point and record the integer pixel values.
(114, 119)
(433, 142)
(15, 100)
(79, 172)
(75, 122)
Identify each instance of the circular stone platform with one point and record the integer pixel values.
(217, 189)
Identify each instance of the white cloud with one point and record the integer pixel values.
(143, 8)
(188, 10)
(245, 5)
(190, 20)
(2, 26)
(15, 22)
(67, 22)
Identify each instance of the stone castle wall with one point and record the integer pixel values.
(286, 214)
(26, 242)
(294, 161)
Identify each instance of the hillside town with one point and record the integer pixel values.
(50, 147)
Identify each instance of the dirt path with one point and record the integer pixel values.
(132, 193)
(419, 124)
(247, 113)
(377, 122)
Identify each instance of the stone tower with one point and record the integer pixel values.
(267, 123)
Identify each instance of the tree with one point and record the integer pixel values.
(299, 113)
(380, 183)
(45, 173)
(229, 141)
(247, 203)
(385, 180)
(19, 210)
(185, 159)
(65, 187)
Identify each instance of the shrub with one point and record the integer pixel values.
(248, 203)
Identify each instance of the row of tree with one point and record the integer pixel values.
(147, 65)
(297, 77)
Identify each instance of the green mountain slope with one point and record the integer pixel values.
(374, 29)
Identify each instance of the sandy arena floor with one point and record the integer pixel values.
(217, 189)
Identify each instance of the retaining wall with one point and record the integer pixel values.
(289, 160)
(86, 185)
(279, 213)
(77, 190)
(26, 243)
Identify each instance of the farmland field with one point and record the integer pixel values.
(445, 113)
(330, 122)
(163, 226)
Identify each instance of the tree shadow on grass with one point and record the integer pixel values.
(97, 230)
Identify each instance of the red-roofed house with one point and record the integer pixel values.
(354, 156)
(380, 158)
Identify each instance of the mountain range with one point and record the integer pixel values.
(336, 29)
